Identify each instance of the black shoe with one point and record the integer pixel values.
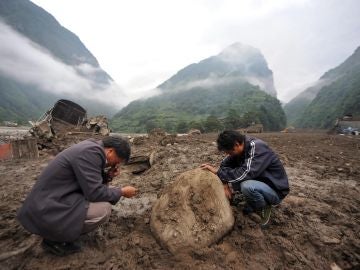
(60, 248)
(236, 199)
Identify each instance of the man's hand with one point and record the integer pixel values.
(228, 192)
(128, 191)
(208, 167)
(114, 171)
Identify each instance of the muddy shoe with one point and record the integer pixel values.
(265, 214)
(60, 248)
(236, 199)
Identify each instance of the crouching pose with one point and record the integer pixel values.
(252, 168)
(72, 196)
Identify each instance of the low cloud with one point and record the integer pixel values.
(28, 63)
(215, 81)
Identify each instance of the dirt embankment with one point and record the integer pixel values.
(316, 227)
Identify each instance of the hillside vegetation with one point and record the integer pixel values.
(335, 94)
(230, 90)
(333, 101)
(207, 109)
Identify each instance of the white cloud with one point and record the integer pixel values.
(142, 43)
(27, 62)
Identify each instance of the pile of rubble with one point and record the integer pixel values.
(64, 124)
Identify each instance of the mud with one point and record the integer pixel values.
(316, 226)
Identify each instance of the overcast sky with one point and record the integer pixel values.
(142, 43)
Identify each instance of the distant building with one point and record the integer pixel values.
(347, 124)
(10, 124)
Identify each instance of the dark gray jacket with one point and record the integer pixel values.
(57, 205)
(257, 162)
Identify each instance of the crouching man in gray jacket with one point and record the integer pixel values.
(252, 168)
(71, 195)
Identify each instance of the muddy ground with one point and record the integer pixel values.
(316, 227)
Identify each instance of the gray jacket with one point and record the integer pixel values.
(57, 205)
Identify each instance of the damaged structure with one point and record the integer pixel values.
(68, 117)
(55, 129)
(348, 124)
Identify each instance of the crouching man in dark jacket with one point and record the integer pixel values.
(252, 168)
(71, 195)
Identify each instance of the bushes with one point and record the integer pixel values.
(205, 109)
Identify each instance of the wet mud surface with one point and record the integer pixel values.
(316, 227)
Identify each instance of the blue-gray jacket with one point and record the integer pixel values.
(257, 162)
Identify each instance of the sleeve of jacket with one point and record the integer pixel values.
(88, 171)
(257, 161)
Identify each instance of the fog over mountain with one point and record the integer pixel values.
(41, 62)
(29, 63)
(229, 90)
(146, 42)
(235, 64)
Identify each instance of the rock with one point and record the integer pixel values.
(330, 240)
(139, 140)
(231, 257)
(181, 219)
(194, 132)
(334, 266)
(153, 158)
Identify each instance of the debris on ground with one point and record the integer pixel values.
(97, 124)
(194, 131)
(315, 227)
(68, 118)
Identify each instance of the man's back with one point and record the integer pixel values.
(58, 201)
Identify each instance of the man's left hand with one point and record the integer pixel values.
(113, 172)
(208, 167)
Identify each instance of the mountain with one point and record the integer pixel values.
(296, 107)
(236, 64)
(335, 94)
(23, 98)
(230, 90)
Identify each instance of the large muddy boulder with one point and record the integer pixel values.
(192, 212)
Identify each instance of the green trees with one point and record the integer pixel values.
(232, 120)
(212, 124)
(230, 107)
(182, 127)
(336, 93)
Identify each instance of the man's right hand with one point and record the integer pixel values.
(128, 191)
(228, 192)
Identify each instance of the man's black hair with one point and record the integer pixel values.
(120, 145)
(228, 138)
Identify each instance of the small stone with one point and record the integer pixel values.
(154, 183)
(139, 252)
(331, 240)
(136, 240)
(231, 257)
(334, 266)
